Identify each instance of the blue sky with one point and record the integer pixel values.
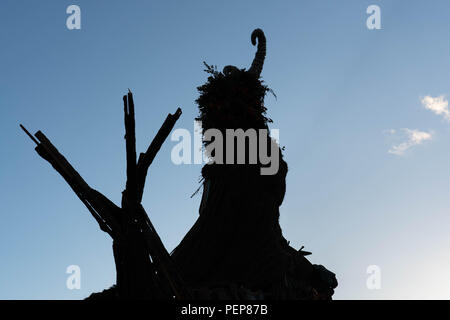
(346, 96)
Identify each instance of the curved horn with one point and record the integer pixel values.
(260, 54)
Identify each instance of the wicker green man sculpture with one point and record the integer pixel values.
(237, 238)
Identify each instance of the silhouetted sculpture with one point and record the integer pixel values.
(237, 238)
(236, 249)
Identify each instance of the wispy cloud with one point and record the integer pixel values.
(414, 137)
(389, 131)
(438, 105)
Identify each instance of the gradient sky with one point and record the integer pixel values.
(346, 97)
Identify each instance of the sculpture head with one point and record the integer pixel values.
(234, 98)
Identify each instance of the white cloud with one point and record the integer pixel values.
(415, 137)
(438, 105)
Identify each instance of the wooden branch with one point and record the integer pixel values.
(135, 238)
(67, 170)
(146, 159)
(132, 195)
(102, 209)
(130, 138)
(162, 258)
